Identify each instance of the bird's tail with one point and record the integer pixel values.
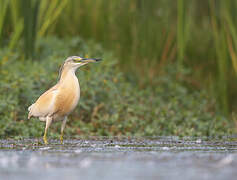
(30, 111)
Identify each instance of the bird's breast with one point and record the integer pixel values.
(68, 96)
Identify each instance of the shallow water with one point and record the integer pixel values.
(120, 158)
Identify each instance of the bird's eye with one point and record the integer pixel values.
(74, 60)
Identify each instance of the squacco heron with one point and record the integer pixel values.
(60, 100)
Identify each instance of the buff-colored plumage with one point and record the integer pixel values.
(60, 100)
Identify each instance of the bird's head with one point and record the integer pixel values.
(76, 61)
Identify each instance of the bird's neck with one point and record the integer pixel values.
(67, 73)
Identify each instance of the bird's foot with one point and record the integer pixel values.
(61, 139)
(45, 140)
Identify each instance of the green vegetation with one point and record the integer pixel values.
(167, 50)
(201, 35)
(110, 103)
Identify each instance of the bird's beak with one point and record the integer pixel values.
(87, 60)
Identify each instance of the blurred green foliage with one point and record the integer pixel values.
(144, 35)
(111, 103)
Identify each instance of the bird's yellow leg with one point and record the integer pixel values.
(61, 138)
(62, 129)
(48, 122)
(45, 137)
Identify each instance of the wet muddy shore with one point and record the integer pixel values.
(119, 158)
